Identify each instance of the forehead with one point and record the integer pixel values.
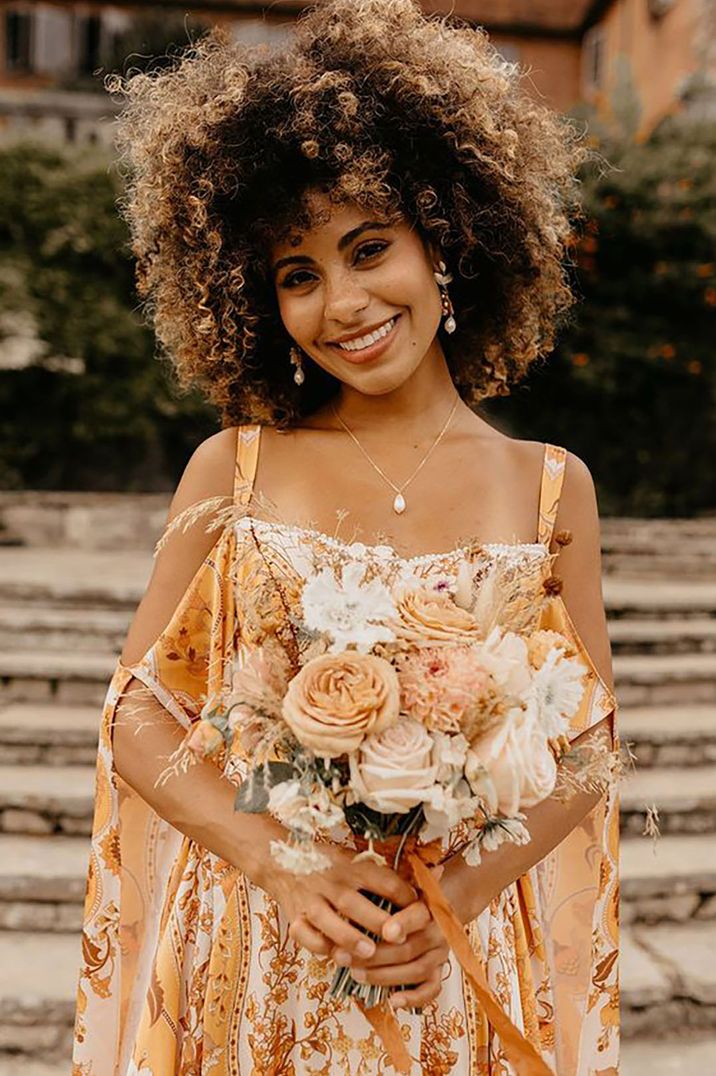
(324, 222)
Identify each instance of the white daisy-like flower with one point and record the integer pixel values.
(350, 612)
(555, 692)
(497, 832)
(299, 858)
(472, 854)
(306, 814)
(449, 755)
(444, 810)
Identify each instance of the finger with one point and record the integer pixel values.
(415, 916)
(302, 932)
(413, 947)
(385, 883)
(416, 971)
(358, 908)
(325, 918)
(419, 995)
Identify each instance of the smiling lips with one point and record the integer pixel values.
(367, 346)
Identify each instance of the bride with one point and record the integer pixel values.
(347, 243)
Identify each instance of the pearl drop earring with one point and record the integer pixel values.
(296, 358)
(443, 278)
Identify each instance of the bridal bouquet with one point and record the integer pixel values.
(403, 719)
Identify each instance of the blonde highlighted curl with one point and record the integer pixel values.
(372, 102)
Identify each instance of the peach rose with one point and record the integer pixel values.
(512, 767)
(204, 739)
(336, 700)
(431, 616)
(394, 769)
(540, 643)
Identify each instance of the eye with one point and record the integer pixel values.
(296, 278)
(370, 249)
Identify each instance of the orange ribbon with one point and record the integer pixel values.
(519, 1050)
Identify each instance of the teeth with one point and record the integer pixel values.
(365, 341)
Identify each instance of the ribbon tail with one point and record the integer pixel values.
(519, 1050)
(385, 1024)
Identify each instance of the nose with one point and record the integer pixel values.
(345, 298)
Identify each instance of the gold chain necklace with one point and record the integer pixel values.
(399, 504)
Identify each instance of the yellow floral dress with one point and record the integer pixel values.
(187, 967)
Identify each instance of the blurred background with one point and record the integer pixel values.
(93, 435)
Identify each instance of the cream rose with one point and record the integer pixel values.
(512, 766)
(431, 616)
(394, 769)
(336, 700)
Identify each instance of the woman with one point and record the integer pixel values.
(346, 243)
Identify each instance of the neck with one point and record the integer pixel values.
(415, 409)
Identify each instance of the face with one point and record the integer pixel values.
(360, 299)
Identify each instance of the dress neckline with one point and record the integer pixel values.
(389, 552)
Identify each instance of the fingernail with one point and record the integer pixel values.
(342, 958)
(359, 975)
(393, 932)
(365, 948)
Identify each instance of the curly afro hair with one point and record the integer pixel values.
(370, 101)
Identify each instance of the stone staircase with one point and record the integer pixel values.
(63, 615)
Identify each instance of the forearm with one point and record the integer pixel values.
(471, 889)
(200, 802)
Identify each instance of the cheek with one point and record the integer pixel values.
(300, 314)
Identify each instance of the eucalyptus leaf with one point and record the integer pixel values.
(253, 795)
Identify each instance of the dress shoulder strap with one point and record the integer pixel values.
(247, 455)
(551, 486)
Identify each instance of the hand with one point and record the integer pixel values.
(413, 952)
(319, 906)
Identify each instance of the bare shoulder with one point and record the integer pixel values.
(209, 474)
(578, 510)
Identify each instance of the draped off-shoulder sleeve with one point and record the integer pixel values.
(134, 852)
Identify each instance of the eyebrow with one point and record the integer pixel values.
(343, 242)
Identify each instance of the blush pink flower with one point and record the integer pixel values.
(445, 688)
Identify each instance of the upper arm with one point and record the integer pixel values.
(579, 564)
(209, 473)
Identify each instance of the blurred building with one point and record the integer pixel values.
(638, 59)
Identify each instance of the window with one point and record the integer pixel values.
(18, 38)
(89, 52)
(593, 59)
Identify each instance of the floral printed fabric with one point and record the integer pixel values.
(187, 967)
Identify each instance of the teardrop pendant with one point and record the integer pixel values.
(399, 503)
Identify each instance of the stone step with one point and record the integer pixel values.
(663, 679)
(695, 1056)
(74, 576)
(661, 599)
(117, 579)
(30, 625)
(63, 676)
(38, 982)
(668, 982)
(58, 799)
(685, 798)
(62, 734)
(62, 627)
(49, 733)
(66, 676)
(666, 735)
(697, 565)
(46, 799)
(668, 975)
(696, 635)
(672, 878)
(42, 882)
